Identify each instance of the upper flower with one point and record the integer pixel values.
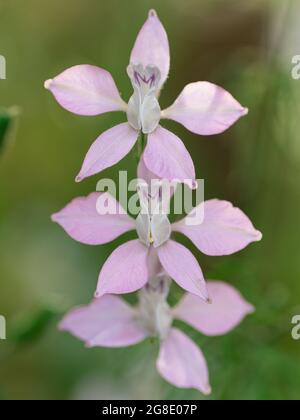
(201, 107)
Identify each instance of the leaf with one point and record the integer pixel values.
(7, 117)
(34, 325)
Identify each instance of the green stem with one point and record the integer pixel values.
(140, 146)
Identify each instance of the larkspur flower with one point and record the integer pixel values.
(224, 230)
(110, 322)
(202, 107)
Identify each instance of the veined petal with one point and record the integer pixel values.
(144, 174)
(81, 220)
(125, 271)
(154, 266)
(205, 109)
(143, 228)
(160, 229)
(226, 311)
(224, 230)
(107, 322)
(182, 363)
(150, 113)
(152, 46)
(86, 90)
(181, 265)
(167, 189)
(109, 148)
(167, 157)
(143, 111)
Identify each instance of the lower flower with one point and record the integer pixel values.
(110, 322)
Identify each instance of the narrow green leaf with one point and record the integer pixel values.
(34, 325)
(7, 117)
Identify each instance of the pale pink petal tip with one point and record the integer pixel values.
(152, 13)
(207, 391)
(194, 185)
(249, 309)
(258, 236)
(98, 294)
(61, 326)
(48, 83)
(55, 217)
(245, 111)
(78, 178)
(209, 300)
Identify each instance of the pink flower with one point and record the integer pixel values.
(202, 107)
(224, 230)
(111, 322)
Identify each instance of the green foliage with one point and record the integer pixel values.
(7, 117)
(5, 122)
(33, 326)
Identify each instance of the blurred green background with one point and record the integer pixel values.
(244, 46)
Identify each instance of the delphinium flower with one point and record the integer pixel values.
(110, 322)
(202, 107)
(149, 264)
(224, 230)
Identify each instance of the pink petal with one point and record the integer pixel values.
(144, 173)
(83, 223)
(108, 149)
(166, 156)
(152, 46)
(182, 363)
(183, 267)
(167, 189)
(86, 90)
(125, 271)
(227, 310)
(224, 230)
(107, 322)
(205, 108)
(154, 265)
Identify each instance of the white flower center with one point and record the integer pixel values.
(153, 230)
(154, 312)
(152, 224)
(143, 111)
